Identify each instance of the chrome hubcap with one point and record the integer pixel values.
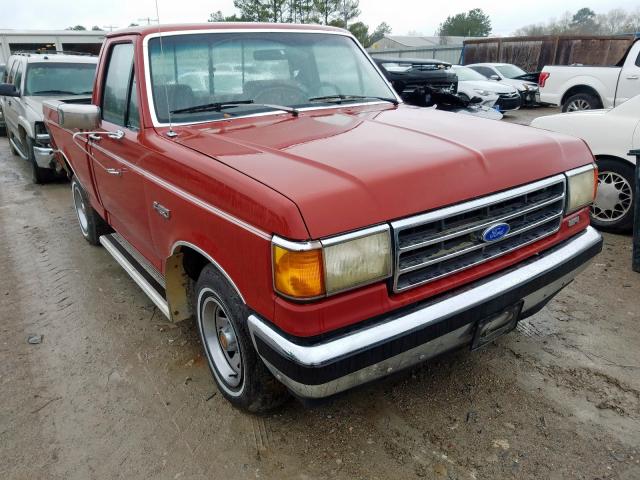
(614, 198)
(221, 342)
(81, 210)
(578, 105)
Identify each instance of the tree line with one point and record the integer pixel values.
(586, 21)
(337, 13)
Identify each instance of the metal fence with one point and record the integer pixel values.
(449, 54)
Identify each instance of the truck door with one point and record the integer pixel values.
(13, 105)
(117, 153)
(629, 81)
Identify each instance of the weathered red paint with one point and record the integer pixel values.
(323, 173)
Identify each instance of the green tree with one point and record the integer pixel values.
(77, 28)
(474, 23)
(584, 20)
(348, 10)
(380, 31)
(326, 10)
(96, 28)
(360, 31)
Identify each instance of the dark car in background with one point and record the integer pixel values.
(416, 80)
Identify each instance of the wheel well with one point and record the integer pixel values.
(614, 158)
(193, 262)
(182, 270)
(580, 89)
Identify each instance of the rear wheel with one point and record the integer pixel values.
(612, 210)
(581, 101)
(92, 226)
(237, 370)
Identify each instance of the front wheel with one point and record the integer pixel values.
(612, 210)
(39, 175)
(236, 368)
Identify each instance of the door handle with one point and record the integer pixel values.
(114, 171)
(163, 211)
(117, 135)
(95, 137)
(632, 77)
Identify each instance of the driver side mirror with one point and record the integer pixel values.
(494, 77)
(8, 90)
(77, 116)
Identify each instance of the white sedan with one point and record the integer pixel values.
(493, 94)
(610, 134)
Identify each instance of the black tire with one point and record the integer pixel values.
(614, 175)
(38, 175)
(92, 226)
(251, 387)
(581, 101)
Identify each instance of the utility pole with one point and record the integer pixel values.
(148, 20)
(110, 27)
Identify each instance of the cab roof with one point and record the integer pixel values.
(56, 58)
(153, 29)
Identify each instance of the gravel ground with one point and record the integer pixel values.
(114, 391)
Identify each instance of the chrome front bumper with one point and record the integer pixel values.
(44, 157)
(415, 334)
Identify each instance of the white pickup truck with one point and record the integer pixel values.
(579, 87)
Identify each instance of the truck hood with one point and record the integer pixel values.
(348, 169)
(34, 102)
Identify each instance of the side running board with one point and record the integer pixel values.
(139, 269)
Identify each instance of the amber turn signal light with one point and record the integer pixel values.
(298, 274)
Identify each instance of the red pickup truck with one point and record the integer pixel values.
(267, 181)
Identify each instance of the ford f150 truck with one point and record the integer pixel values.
(581, 87)
(321, 233)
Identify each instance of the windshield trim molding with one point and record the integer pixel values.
(147, 70)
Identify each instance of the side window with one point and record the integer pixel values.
(133, 112)
(116, 86)
(480, 70)
(638, 60)
(17, 79)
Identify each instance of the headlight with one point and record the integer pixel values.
(581, 187)
(311, 270)
(484, 93)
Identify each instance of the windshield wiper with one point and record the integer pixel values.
(54, 92)
(219, 106)
(339, 98)
(209, 107)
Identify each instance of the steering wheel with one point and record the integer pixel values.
(280, 95)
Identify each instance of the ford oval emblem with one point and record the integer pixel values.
(495, 232)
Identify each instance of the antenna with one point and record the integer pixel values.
(170, 133)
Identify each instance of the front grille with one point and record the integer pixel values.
(439, 243)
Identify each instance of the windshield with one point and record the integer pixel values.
(466, 73)
(510, 71)
(59, 78)
(288, 69)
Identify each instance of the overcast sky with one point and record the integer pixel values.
(405, 15)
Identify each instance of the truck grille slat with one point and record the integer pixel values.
(437, 244)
